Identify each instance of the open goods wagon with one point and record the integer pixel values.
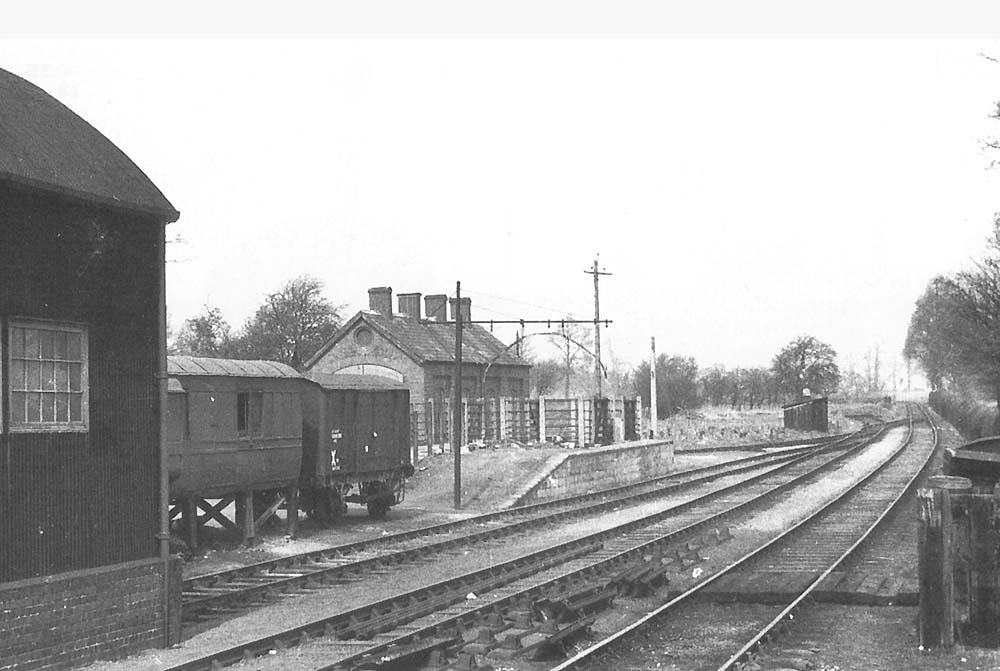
(247, 433)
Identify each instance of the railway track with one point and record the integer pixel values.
(431, 620)
(225, 593)
(729, 620)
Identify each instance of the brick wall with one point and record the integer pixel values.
(593, 469)
(70, 619)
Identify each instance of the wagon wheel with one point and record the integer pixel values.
(378, 507)
(325, 506)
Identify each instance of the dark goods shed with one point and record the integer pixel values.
(83, 567)
(808, 414)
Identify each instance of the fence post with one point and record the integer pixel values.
(430, 434)
(465, 422)
(502, 429)
(541, 419)
(414, 434)
(984, 597)
(581, 427)
(936, 560)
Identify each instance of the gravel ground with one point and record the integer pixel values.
(489, 476)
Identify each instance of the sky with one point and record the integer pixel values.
(742, 186)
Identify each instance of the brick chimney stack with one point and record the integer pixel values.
(409, 305)
(466, 309)
(436, 306)
(380, 300)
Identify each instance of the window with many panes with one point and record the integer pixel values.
(46, 375)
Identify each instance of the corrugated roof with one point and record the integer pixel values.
(430, 342)
(45, 145)
(199, 365)
(346, 381)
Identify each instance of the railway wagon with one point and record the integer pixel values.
(979, 461)
(259, 435)
(356, 436)
(234, 426)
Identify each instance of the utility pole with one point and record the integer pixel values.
(456, 396)
(597, 327)
(456, 402)
(652, 388)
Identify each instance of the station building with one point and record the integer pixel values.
(419, 351)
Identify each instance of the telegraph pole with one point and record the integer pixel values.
(456, 396)
(597, 327)
(456, 399)
(652, 388)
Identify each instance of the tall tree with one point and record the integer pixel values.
(545, 375)
(806, 363)
(676, 384)
(933, 337)
(208, 334)
(573, 341)
(291, 325)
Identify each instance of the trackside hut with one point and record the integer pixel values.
(82, 308)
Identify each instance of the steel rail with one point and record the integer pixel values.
(615, 559)
(757, 640)
(593, 652)
(325, 626)
(205, 592)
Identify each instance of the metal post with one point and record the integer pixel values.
(163, 535)
(598, 368)
(652, 388)
(456, 406)
(597, 333)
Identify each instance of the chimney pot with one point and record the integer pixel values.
(380, 300)
(466, 309)
(409, 305)
(436, 306)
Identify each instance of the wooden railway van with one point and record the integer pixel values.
(235, 434)
(357, 444)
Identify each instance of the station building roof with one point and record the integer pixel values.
(425, 341)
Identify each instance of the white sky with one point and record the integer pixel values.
(742, 190)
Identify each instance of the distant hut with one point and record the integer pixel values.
(807, 414)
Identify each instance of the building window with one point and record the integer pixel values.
(47, 377)
(249, 410)
(364, 336)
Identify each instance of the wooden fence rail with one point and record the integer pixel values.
(581, 421)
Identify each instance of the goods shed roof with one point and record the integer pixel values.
(198, 365)
(45, 145)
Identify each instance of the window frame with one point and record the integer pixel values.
(246, 412)
(79, 426)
